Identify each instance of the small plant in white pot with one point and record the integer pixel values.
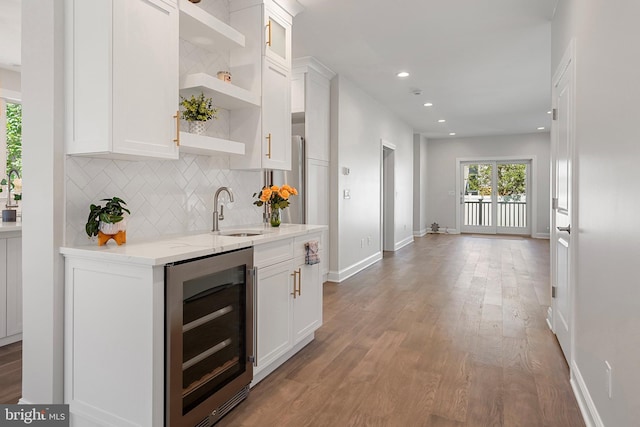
(198, 111)
(108, 222)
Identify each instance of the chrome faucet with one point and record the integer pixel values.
(219, 216)
(9, 204)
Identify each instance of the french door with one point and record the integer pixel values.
(494, 197)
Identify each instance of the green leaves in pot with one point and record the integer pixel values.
(111, 213)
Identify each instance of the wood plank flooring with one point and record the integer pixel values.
(449, 331)
(11, 373)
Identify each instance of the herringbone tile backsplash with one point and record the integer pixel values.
(166, 196)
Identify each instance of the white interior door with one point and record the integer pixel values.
(562, 140)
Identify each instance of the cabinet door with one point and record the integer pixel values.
(3, 288)
(277, 35)
(145, 77)
(273, 313)
(276, 117)
(307, 306)
(14, 285)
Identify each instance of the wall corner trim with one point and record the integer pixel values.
(420, 233)
(401, 244)
(585, 402)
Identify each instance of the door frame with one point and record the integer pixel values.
(387, 225)
(567, 64)
(532, 207)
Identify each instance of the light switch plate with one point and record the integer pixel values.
(346, 194)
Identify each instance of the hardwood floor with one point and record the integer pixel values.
(11, 373)
(449, 331)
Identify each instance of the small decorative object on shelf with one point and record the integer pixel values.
(108, 222)
(225, 76)
(15, 185)
(197, 111)
(276, 198)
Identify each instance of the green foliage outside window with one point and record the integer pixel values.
(512, 180)
(14, 137)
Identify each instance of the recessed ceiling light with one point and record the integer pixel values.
(403, 74)
(428, 104)
(441, 121)
(541, 128)
(452, 133)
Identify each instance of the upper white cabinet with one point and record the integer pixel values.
(264, 67)
(122, 78)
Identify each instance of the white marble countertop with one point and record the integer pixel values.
(7, 227)
(177, 248)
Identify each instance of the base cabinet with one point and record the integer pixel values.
(10, 290)
(289, 302)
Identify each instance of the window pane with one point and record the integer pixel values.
(14, 137)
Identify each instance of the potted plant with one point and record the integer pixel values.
(197, 111)
(107, 222)
(277, 198)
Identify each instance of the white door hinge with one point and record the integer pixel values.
(555, 114)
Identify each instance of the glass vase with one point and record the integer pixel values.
(275, 217)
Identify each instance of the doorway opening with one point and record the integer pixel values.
(387, 195)
(496, 196)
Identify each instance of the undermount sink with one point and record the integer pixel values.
(240, 233)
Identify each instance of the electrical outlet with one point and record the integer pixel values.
(368, 240)
(609, 372)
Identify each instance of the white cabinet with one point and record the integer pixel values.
(264, 66)
(289, 302)
(273, 313)
(276, 117)
(307, 313)
(122, 78)
(10, 290)
(277, 44)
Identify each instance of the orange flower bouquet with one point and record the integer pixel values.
(277, 198)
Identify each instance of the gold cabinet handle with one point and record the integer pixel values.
(299, 280)
(269, 33)
(177, 138)
(269, 142)
(295, 287)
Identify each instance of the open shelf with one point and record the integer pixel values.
(205, 30)
(208, 146)
(225, 95)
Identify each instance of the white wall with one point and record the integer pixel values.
(420, 187)
(441, 171)
(9, 82)
(43, 204)
(607, 236)
(358, 124)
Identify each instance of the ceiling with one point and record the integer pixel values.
(10, 34)
(485, 65)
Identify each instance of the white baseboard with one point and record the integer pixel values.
(444, 231)
(10, 340)
(344, 274)
(541, 236)
(21, 401)
(549, 318)
(420, 233)
(585, 402)
(402, 243)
